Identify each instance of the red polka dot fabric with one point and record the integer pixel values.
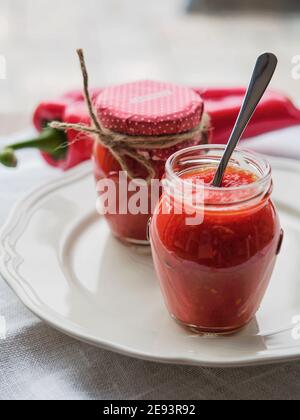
(149, 108)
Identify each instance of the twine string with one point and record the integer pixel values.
(122, 145)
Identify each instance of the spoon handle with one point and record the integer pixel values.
(262, 75)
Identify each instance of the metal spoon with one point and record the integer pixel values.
(262, 75)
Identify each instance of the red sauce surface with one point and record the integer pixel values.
(233, 177)
(214, 275)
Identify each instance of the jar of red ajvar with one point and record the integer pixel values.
(215, 248)
(145, 109)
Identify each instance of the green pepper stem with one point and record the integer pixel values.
(50, 140)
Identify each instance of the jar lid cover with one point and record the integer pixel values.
(149, 108)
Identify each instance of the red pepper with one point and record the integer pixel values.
(78, 147)
(274, 112)
(61, 150)
(70, 108)
(54, 110)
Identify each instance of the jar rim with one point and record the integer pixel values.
(262, 162)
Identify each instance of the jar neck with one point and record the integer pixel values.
(180, 183)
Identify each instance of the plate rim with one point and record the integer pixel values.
(77, 173)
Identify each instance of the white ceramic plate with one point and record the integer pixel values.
(58, 256)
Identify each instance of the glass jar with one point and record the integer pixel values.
(144, 109)
(215, 271)
(128, 227)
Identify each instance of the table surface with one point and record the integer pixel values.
(124, 40)
(38, 362)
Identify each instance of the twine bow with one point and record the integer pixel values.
(124, 146)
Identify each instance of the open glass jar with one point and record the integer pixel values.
(144, 109)
(214, 272)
